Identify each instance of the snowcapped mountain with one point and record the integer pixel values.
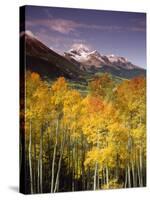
(77, 64)
(93, 59)
(85, 57)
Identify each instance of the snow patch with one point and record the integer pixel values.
(29, 33)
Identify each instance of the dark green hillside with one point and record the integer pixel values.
(123, 73)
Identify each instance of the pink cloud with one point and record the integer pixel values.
(60, 25)
(78, 46)
(66, 26)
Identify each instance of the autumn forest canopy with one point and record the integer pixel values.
(78, 141)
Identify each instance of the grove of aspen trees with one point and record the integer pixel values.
(92, 141)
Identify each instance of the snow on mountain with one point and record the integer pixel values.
(112, 58)
(80, 48)
(121, 62)
(48, 63)
(29, 34)
(76, 64)
(79, 52)
(87, 58)
(79, 56)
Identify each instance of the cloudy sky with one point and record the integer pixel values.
(109, 32)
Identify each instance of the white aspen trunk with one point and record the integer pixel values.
(59, 165)
(107, 176)
(141, 164)
(38, 178)
(125, 184)
(41, 162)
(133, 174)
(74, 175)
(117, 167)
(103, 171)
(95, 175)
(73, 170)
(141, 169)
(54, 156)
(139, 178)
(49, 144)
(95, 171)
(77, 159)
(30, 158)
(82, 165)
(98, 185)
(35, 185)
(129, 177)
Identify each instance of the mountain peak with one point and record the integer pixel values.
(75, 64)
(87, 58)
(95, 53)
(79, 48)
(111, 55)
(113, 58)
(28, 34)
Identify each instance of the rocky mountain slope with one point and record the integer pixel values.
(76, 64)
(95, 62)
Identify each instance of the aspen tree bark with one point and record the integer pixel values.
(141, 168)
(139, 176)
(59, 164)
(129, 177)
(49, 154)
(117, 168)
(98, 186)
(30, 158)
(38, 177)
(107, 176)
(88, 179)
(83, 178)
(35, 171)
(95, 176)
(54, 157)
(74, 174)
(125, 184)
(140, 162)
(69, 160)
(41, 161)
(73, 168)
(103, 172)
(133, 174)
(82, 163)
(77, 160)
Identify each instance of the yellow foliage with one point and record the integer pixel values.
(107, 130)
